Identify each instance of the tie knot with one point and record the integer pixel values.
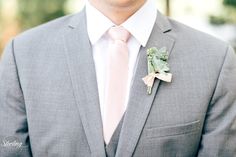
(119, 33)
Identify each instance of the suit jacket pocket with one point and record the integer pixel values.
(173, 130)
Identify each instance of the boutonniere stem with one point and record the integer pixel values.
(157, 67)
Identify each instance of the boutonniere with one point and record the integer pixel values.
(157, 67)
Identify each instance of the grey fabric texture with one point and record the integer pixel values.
(49, 98)
(111, 147)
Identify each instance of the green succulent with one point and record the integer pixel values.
(157, 60)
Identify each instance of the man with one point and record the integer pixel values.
(65, 92)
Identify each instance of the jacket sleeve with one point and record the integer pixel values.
(219, 133)
(14, 137)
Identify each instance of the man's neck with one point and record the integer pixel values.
(117, 14)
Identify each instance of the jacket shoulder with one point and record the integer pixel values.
(191, 38)
(50, 30)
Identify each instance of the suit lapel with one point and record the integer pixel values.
(140, 102)
(82, 71)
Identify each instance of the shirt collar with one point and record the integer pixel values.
(141, 21)
(97, 23)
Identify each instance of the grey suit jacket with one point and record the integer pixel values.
(49, 103)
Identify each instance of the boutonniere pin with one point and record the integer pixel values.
(157, 67)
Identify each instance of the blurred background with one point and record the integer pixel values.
(216, 17)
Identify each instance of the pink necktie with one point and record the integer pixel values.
(117, 76)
